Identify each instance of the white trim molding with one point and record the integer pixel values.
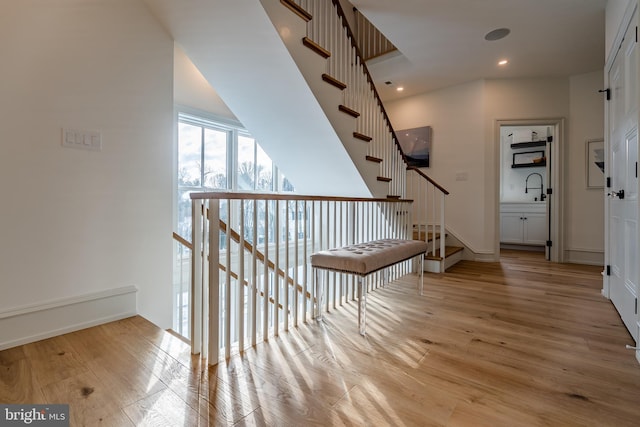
(584, 256)
(34, 322)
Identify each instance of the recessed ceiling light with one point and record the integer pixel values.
(400, 89)
(503, 62)
(497, 34)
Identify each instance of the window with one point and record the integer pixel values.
(202, 156)
(214, 155)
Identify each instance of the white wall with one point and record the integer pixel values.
(458, 154)
(78, 222)
(584, 208)
(191, 89)
(464, 121)
(518, 99)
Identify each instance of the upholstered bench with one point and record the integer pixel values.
(362, 260)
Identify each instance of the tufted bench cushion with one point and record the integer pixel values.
(366, 258)
(362, 260)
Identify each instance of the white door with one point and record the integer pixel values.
(623, 192)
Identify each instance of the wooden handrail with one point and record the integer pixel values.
(246, 283)
(233, 274)
(287, 197)
(235, 236)
(422, 174)
(182, 240)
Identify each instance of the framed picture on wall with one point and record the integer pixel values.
(416, 145)
(595, 163)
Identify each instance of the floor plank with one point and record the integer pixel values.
(522, 342)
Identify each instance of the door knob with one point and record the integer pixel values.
(618, 194)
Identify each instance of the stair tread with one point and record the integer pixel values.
(448, 251)
(333, 81)
(420, 236)
(349, 111)
(362, 136)
(298, 10)
(316, 47)
(373, 159)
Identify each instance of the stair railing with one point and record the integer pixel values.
(328, 26)
(182, 284)
(428, 211)
(370, 40)
(330, 29)
(282, 231)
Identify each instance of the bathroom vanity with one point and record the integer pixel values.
(523, 223)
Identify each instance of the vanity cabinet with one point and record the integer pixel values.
(523, 223)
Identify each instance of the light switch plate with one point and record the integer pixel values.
(462, 176)
(82, 139)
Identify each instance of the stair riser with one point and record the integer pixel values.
(440, 266)
(431, 266)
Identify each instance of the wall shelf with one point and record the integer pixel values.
(529, 165)
(529, 144)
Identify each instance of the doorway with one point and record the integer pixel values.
(528, 211)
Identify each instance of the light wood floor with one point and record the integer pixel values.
(517, 343)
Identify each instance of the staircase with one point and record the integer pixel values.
(322, 44)
(434, 262)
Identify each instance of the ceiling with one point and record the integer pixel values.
(441, 42)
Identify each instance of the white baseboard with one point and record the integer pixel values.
(485, 257)
(584, 256)
(23, 325)
(469, 253)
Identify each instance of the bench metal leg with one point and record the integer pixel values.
(319, 277)
(362, 305)
(421, 273)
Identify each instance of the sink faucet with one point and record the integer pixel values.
(526, 186)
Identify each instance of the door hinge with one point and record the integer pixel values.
(549, 243)
(607, 92)
(608, 182)
(636, 34)
(608, 270)
(549, 190)
(636, 310)
(636, 169)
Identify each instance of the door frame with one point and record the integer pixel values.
(555, 204)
